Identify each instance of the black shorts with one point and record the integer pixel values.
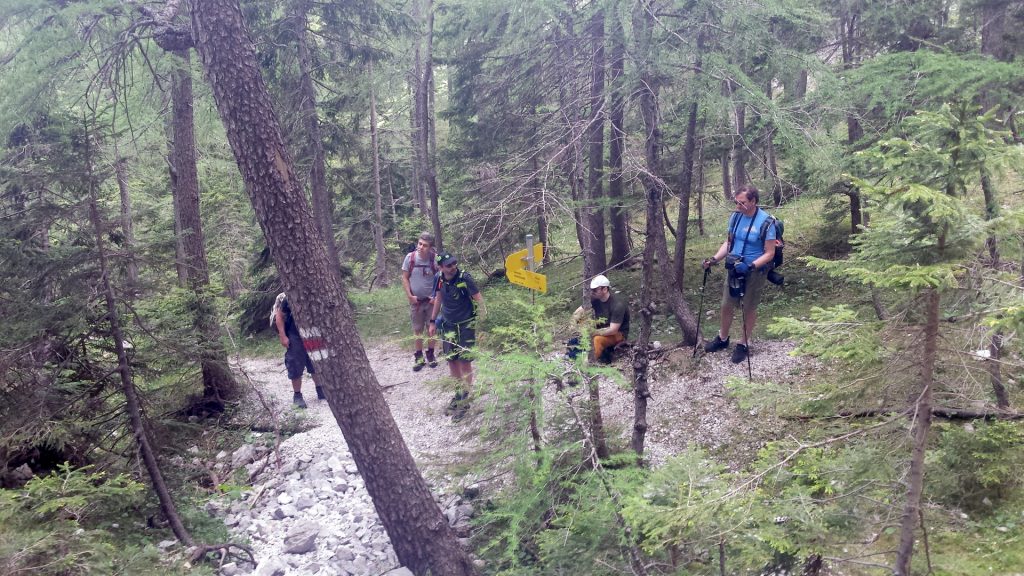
(458, 341)
(296, 359)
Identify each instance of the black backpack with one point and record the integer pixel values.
(734, 222)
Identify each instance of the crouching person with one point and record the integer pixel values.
(612, 315)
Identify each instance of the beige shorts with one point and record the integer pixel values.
(420, 315)
(752, 295)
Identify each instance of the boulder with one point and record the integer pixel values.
(302, 538)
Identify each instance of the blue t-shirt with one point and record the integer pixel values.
(747, 242)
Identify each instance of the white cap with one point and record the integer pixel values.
(599, 281)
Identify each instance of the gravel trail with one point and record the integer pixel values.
(312, 516)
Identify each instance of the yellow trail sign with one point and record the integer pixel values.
(531, 280)
(517, 260)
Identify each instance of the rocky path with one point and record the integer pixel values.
(312, 515)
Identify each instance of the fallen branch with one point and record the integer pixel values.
(938, 412)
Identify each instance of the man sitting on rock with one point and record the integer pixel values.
(612, 316)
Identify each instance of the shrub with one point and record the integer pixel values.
(976, 467)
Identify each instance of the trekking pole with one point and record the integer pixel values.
(700, 315)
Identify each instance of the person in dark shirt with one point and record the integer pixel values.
(612, 315)
(296, 358)
(457, 302)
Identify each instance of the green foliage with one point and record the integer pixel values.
(977, 467)
(836, 333)
(77, 521)
(80, 494)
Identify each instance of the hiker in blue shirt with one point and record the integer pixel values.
(747, 259)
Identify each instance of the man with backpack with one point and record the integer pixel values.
(418, 271)
(458, 302)
(749, 253)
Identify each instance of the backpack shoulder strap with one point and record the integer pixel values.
(768, 221)
(734, 222)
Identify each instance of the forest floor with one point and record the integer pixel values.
(689, 404)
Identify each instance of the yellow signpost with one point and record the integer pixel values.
(517, 273)
(531, 280)
(517, 260)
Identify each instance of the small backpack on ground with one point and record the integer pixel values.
(773, 276)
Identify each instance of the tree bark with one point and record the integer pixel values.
(378, 208)
(568, 96)
(922, 424)
(595, 139)
(616, 144)
(647, 97)
(686, 173)
(429, 143)
(417, 115)
(421, 537)
(320, 194)
(641, 361)
(218, 382)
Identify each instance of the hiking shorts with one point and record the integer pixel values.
(296, 359)
(420, 314)
(752, 295)
(458, 340)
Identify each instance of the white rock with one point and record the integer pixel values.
(273, 566)
(284, 498)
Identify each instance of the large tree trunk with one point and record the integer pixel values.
(132, 404)
(417, 115)
(854, 132)
(922, 424)
(685, 192)
(218, 382)
(320, 194)
(641, 362)
(378, 208)
(568, 97)
(647, 98)
(595, 138)
(686, 174)
(419, 532)
(616, 144)
(429, 142)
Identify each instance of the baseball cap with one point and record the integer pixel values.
(599, 281)
(446, 258)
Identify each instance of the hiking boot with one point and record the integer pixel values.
(459, 406)
(740, 353)
(320, 393)
(716, 344)
(456, 402)
(418, 363)
(298, 401)
(430, 358)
